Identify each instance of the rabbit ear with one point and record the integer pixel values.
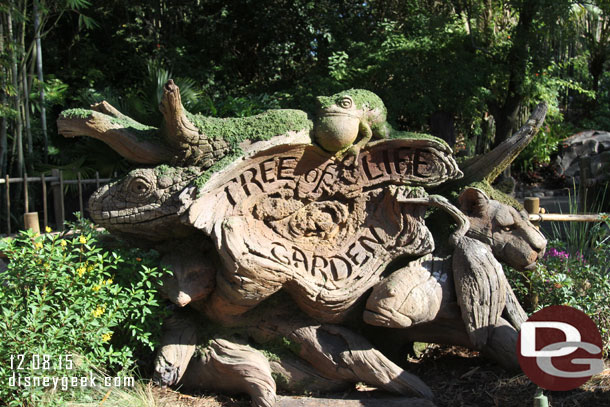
(474, 202)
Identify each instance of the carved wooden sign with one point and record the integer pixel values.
(320, 225)
(293, 217)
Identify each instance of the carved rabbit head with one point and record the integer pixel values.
(511, 236)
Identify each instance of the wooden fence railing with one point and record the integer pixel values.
(57, 182)
(537, 214)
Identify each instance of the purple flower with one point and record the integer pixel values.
(560, 254)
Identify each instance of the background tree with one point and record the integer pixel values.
(466, 70)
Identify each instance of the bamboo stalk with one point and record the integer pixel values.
(8, 205)
(43, 117)
(17, 91)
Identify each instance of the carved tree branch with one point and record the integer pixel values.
(180, 131)
(489, 166)
(119, 137)
(107, 108)
(193, 147)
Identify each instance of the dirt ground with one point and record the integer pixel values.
(458, 377)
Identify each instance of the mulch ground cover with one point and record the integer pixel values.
(457, 376)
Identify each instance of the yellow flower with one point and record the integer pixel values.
(98, 311)
(91, 267)
(96, 287)
(62, 243)
(82, 239)
(109, 281)
(38, 245)
(46, 265)
(47, 229)
(81, 270)
(106, 337)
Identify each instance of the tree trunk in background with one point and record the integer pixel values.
(4, 102)
(26, 108)
(16, 102)
(24, 81)
(442, 126)
(507, 114)
(488, 135)
(43, 116)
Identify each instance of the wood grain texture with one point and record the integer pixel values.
(233, 368)
(480, 288)
(177, 348)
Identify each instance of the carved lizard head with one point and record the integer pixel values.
(146, 203)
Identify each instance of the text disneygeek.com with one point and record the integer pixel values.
(42, 371)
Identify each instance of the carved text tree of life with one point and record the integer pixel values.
(323, 229)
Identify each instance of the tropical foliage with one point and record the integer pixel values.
(470, 69)
(68, 304)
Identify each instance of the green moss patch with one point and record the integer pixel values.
(362, 98)
(397, 134)
(76, 113)
(255, 128)
(141, 131)
(497, 195)
(217, 166)
(177, 174)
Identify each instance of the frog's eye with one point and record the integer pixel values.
(345, 102)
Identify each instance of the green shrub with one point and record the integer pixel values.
(546, 143)
(63, 295)
(571, 278)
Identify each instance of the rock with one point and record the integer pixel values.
(592, 143)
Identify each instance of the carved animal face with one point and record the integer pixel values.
(341, 115)
(513, 239)
(145, 204)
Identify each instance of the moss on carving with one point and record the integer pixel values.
(280, 380)
(217, 166)
(76, 113)
(499, 196)
(177, 174)
(362, 98)
(141, 131)
(278, 348)
(128, 122)
(255, 128)
(397, 134)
